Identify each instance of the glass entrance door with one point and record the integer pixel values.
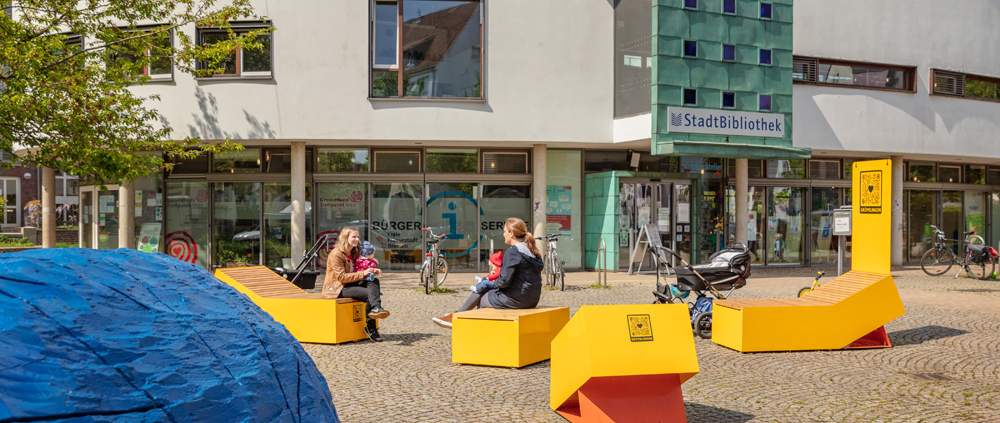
(923, 214)
(663, 205)
(107, 219)
(822, 241)
(87, 218)
(784, 225)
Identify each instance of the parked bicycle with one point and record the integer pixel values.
(977, 259)
(432, 276)
(812, 288)
(553, 265)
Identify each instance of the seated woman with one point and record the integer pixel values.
(520, 281)
(343, 282)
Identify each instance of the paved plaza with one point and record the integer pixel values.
(944, 365)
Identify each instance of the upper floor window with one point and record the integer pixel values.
(853, 74)
(427, 48)
(729, 6)
(248, 62)
(691, 4)
(156, 62)
(965, 85)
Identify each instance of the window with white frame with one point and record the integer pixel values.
(249, 62)
(10, 190)
(157, 60)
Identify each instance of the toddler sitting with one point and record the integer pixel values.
(366, 260)
(485, 284)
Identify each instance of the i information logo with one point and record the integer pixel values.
(726, 122)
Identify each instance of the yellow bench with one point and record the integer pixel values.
(507, 338)
(308, 317)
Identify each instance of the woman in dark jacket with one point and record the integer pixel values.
(520, 281)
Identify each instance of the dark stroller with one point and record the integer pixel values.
(727, 270)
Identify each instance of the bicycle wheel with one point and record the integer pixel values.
(425, 271)
(804, 291)
(703, 325)
(560, 273)
(982, 271)
(936, 261)
(441, 272)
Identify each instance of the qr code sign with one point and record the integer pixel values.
(871, 192)
(640, 328)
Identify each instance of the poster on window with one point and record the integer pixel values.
(559, 208)
(149, 238)
(752, 226)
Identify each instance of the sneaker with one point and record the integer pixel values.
(473, 288)
(443, 321)
(378, 313)
(373, 334)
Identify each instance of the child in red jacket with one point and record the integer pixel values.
(485, 284)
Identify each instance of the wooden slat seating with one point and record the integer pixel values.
(308, 316)
(838, 314)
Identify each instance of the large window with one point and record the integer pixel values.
(853, 74)
(427, 48)
(157, 63)
(249, 62)
(965, 85)
(633, 56)
(10, 190)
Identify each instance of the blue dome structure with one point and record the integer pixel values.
(125, 336)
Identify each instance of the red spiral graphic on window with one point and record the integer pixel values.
(325, 252)
(181, 246)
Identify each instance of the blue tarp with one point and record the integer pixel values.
(125, 336)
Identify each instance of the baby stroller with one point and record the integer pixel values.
(727, 270)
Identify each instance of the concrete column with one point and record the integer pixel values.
(742, 202)
(897, 210)
(539, 195)
(48, 207)
(126, 215)
(298, 201)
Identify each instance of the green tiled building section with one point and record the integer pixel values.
(711, 76)
(601, 211)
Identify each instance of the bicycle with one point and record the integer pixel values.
(808, 289)
(940, 258)
(553, 265)
(428, 272)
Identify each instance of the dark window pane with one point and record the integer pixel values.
(982, 89)
(729, 6)
(280, 160)
(442, 48)
(765, 102)
(505, 162)
(975, 174)
(195, 165)
(385, 84)
(765, 57)
(442, 160)
(952, 174)
(765, 10)
(728, 52)
(994, 176)
(258, 59)
(692, 4)
(824, 169)
(786, 168)
(861, 76)
(728, 99)
(342, 160)
(245, 161)
(690, 96)
(159, 57)
(227, 65)
(690, 48)
(921, 172)
(386, 26)
(633, 56)
(390, 161)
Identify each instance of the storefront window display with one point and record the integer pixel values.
(784, 225)
(340, 205)
(278, 224)
(148, 193)
(188, 221)
(454, 210)
(923, 214)
(952, 216)
(500, 202)
(975, 213)
(564, 208)
(396, 219)
(824, 243)
(237, 224)
(86, 214)
(755, 219)
(107, 220)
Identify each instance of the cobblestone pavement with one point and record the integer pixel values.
(944, 366)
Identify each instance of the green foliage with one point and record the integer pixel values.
(597, 285)
(233, 251)
(65, 245)
(982, 89)
(439, 290)
(14, 242)
(68, 105)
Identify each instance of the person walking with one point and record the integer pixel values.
(519, 285)
(342, 281)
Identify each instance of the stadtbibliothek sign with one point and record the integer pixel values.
(725, 122)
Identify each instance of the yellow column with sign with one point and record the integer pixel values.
(847, 312)
(623, 363)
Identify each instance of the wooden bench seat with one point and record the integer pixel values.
(507, 338)
(309, 317)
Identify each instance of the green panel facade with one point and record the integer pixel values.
(710, 75)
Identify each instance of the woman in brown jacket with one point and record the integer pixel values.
(343, 282)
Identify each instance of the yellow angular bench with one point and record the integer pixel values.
(507, 338)
(623, 363)
(309, 317)
(849, 311)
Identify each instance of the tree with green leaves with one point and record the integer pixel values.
(66, 69)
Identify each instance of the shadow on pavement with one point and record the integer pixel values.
(407, 339)
(919, 335)
(705, 413)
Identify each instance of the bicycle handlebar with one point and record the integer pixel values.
(548, 237)
(431, 232)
